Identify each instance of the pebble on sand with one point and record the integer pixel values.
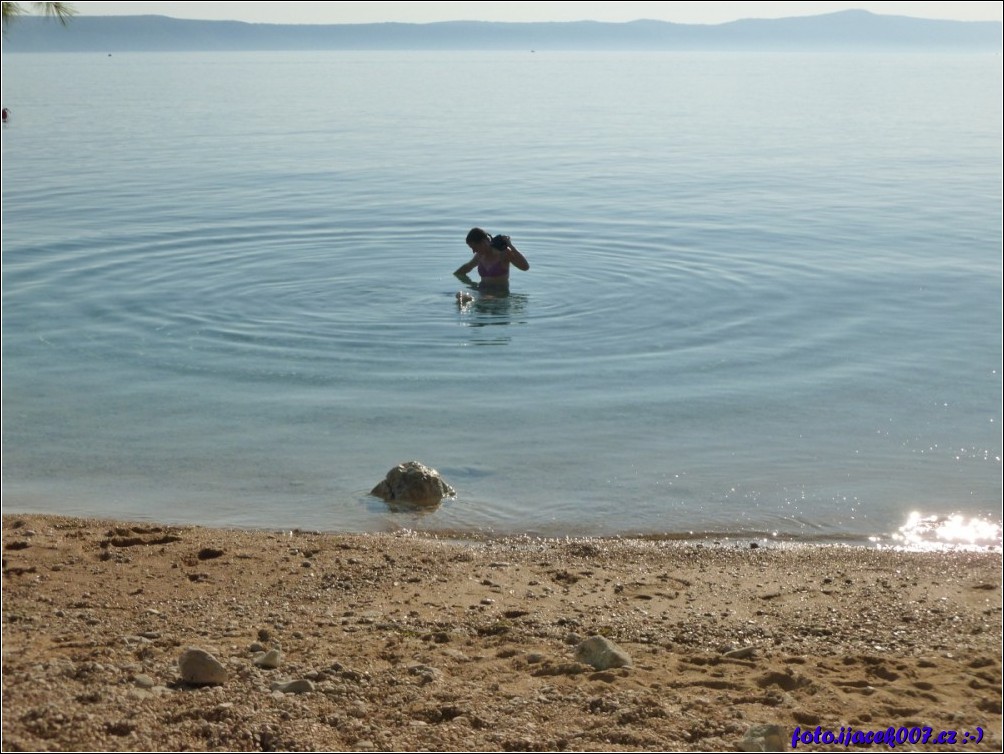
(199, 668)
(299, 686)
(269, 660)
(602, 654)
(765, 738)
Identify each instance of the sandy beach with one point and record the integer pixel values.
(408, 642)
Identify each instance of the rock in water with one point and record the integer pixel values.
(413, 482)
(602, 654)
(200, 668)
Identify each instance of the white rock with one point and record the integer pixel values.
(301, 686)
(602, 654)
(765, 738)
(199, 667)
(269, 660)
(144, 681)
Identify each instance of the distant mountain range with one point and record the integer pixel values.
(853, 30)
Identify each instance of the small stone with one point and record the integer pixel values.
(602, 654)
(765, 738)
(300, 686)
(424, 673)
(144, 681)
(743, 653)
(269, 660)
(199, 668)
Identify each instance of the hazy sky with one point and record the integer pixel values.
(425, 12)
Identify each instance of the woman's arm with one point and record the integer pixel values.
(463, 269)
(515, 257)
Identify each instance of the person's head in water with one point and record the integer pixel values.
(476, 237)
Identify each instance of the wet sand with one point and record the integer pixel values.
(408, 642)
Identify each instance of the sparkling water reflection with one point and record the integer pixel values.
(952, 532)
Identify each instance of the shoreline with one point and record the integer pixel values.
(929, 542)
(413, 641)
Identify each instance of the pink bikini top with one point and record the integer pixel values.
(495, 270)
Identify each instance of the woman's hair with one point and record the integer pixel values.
(476, 235)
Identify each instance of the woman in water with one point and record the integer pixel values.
(492, 257)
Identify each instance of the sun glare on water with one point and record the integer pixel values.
(947, 533)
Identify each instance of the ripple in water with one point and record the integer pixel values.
(722, 331)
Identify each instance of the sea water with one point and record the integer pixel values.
(764, 297)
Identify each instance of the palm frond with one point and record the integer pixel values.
(11, 11)
(63, 12)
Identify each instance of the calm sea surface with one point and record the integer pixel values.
(764, 296)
